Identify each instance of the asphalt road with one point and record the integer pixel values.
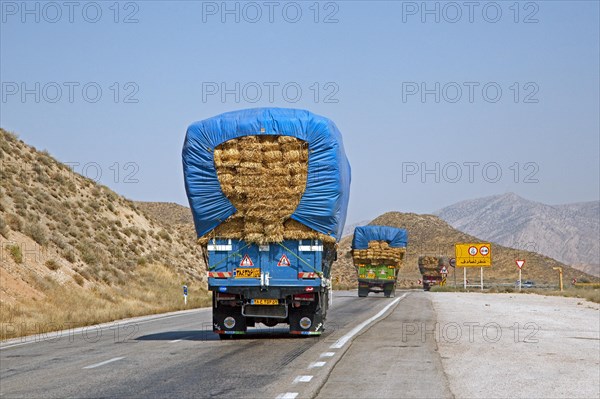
(177, 355)
(417, 345)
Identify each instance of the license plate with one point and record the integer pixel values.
(371, 275)
(247, 273)
(264, 301)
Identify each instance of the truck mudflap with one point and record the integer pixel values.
(309, 319)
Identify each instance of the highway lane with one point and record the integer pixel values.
(178, 355)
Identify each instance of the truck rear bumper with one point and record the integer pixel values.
(267, 292)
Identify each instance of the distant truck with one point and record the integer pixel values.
(377, 253)
(431, 268)
(268, 189)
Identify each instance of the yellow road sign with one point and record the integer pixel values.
(473, 254)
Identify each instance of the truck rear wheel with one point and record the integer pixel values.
(390, 291)
(363, 292)
(228, 320)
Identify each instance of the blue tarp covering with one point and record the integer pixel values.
(396, 238)
(325, 201)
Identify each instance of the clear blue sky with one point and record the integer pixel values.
(369, 60)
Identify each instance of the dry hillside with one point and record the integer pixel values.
(429, 235)
(73, 251)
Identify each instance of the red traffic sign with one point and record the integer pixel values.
(484, 250)
(520, 263)
(419, 282)
(246, 261)
(444, 270)
(452, 262)
(472, 251)
(284, 261)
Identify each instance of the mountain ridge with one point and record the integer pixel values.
(566, 232)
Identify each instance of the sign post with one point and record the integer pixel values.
(452, 262)
(520, 264)
(473, 255)
(444, 273)
(560, 276)
(185, 292)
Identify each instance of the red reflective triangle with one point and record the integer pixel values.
(246, 261)
(284, 261)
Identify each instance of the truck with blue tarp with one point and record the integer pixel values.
(377, 253)
(268, 189)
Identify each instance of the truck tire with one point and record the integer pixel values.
(225, 316)
(363, 292)
(390, 291)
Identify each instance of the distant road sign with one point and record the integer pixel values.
(520, 263)
(444, 270)
(452, 262)
(185, 290)
(473, 254)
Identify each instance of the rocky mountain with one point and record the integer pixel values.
(75, 252)
(569, 233)
(430, 235)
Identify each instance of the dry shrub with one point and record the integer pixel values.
(3, 227)
(52, 264)
(379, 253)
(36, 232)
(264, 177)
(16, 253)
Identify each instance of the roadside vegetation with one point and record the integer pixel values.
(156, 289)
(73, 251)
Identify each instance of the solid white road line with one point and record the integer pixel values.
(327, 354)
(114, 359)
(342, 341)
(287, 395)
(303, 378)
(316, 364)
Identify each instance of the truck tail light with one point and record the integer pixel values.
(304, 297)
(226, 297)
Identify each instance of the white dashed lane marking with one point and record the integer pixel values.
(303, 378)
(287, 395)
(114, 359)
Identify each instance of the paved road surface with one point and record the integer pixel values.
(438, 345)
(179, 356)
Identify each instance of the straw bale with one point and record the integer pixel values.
(273, 156)
(379, 253)
(264, 177)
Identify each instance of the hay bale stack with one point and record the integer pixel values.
(379, 253)
(431, 265)
(264, 177)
